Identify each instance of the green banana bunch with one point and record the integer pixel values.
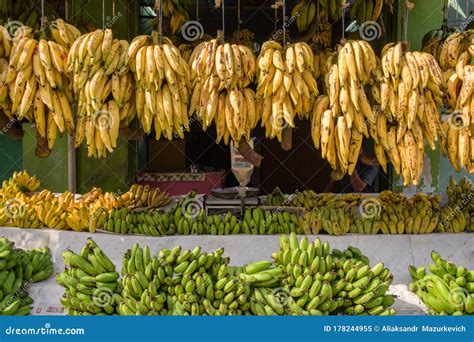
(447, 290)
(276, 198)
(18, 270)
(90, 281)
(461, 198)
(319, 281)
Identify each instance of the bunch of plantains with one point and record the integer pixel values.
(304, 279)
(18, 270)
(447, 290)
(90, 281)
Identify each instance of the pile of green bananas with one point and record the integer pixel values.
(90, 281)
(276, 198)
(448, 290)
(334, 221)
(142, 279)
(320, 282)
(187, 217)
(18, 270)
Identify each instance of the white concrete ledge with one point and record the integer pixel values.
(396, 251)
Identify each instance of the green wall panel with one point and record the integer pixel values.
(11, 158)
(51, 171)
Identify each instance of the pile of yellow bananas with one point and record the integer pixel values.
(144, 196)
(410, 95)
(221, 74)
(103, 87)
(286, 86)
(163, 85)
(340, 119)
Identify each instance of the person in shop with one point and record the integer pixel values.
(362, 179)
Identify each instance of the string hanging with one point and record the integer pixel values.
(160, 22)
(42, 15)
(238, 20)
(223, 19)
(103, 14)
(284, 22)
(343, 18)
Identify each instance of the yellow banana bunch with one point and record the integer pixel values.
(243, 37)
(37, 85)
(104, 89)
(176, 11)
(323, 36)
(6, 42)
(186, 50)
(144, 196)
(286, 85)
(163, 86)
(64, 33)
(339, 120)
(410, 95)
(450, 50)
(320, 62)
(221, 74)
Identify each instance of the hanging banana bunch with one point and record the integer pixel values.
(368, 10)
(286, 85)
(163, 86)
(304, 12)
(176, 11)
(458, 143)
(449, 50)
(341, 119)
(5, 48)
(36, 79)
(221, 74)
(103, 88)
(320, 62)
(410, 96)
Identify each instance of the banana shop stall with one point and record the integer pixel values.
(316, 88)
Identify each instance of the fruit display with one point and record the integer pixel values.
(18, 270)
(304, 279)
(221, 75)
(163, 86)
(26, 12)
(286, 86)
(339, 120)
(447, 290)
(304, 12)
(90, 281)
(38, 88)
(320, 62)
(103, 88)
(410, 95)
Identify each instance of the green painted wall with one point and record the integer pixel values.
(11, 158)
(51, 171)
